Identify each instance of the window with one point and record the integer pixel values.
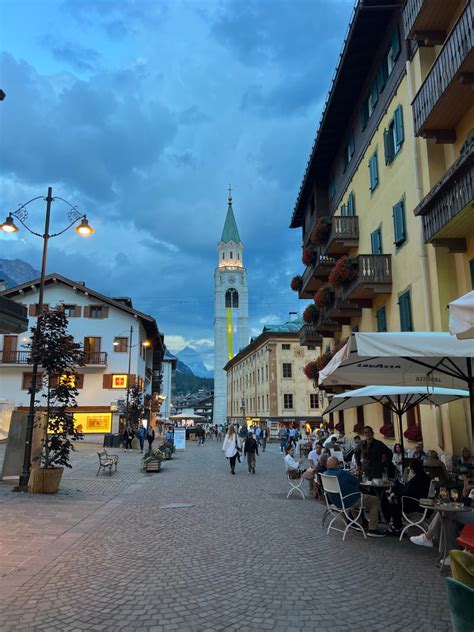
(313, 400)
(286, 369)
(26, 381)
(223, 256)
(394, 136)
(376, 241)
(72, 311)
(381, 317)
(399, 226)
(267, 400)
(266, 372)
(231, 255)
(332, 187)
(33, 309)
(364, 114)
(373, 171)
(285, 347)
(311, 347)
(413, 417)
(287, 401)
(119, 381)
(232, 298)
(95, 311)
(394, 51)
(351, 205)
(382, 74)
(343, 209)
(348, 151)
(404, 305)
(373, 96)
(387, 416)
(120, 345)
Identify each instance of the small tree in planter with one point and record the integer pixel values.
(136, 407)
(321, 230)
(309, 256)
(310, 314)
(324, 297)
(345, 270)
(296, 283)
(56, 352)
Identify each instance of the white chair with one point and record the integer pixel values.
(295, 484)
(331, 486)
(416, 519)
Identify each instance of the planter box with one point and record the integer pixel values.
(45, 480)
(153, 466)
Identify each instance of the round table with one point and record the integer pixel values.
(446, 512)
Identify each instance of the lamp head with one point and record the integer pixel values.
(84, 229)
(9, 225)
(146, 343)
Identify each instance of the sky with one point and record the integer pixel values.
(141, 113)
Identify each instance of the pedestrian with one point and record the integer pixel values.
(264, 438)
(169, 435)
(283, 436)
(251, 452)
(231, 448)
(292, 439)
(220, 433)
(200, 434)
(141, 434)
(127, 436)
(243, 432)
(258, 435)
(150, 435)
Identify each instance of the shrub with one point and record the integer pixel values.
(311, 314)
(296, 283)
(324, 296)
(345, 270)
(321, 230)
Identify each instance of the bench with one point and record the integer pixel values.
(107, 461)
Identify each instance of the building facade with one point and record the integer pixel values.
(231, 318)
(357, 199)
(266, 384)
(111, 333)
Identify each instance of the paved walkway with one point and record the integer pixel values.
(114, 553)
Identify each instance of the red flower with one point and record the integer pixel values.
(345, 270)
(296, 283)
(321, 230)
(339, 427)
(311, 314)
(309, 257)
(324, 297)
(413, 434)
(311, 370)
(323, 360)
(387, 430)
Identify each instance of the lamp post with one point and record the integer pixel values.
(9, 226)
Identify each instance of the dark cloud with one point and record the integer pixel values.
(78, 57)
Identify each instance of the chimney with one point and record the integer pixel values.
(3, 285)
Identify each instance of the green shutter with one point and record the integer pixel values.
(364, 114)
(351, 208)
(398, 126)
(399, 227)
(471, 268)
(395, 43)
(388, 146)
(404, 304)
(382, 74)
(376, 242)
(373, 171)
(381, 319)
(343, 209)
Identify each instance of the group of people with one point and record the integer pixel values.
(244, 441)
(143, 434)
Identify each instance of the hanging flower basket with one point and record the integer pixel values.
(345, 270)
(388, 431)
(296, 283)
(358, 428)
(321, 230)
(323, 360)
(309, 256)
(413, 434)
(311, 314)
(311, 370)
(324, 297)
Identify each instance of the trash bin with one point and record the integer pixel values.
(116, 440)
(108, 440)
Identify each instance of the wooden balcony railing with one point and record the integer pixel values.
(445, 202)
(374, 276)
(14, 357)
(96, 357)
(309, 336)
(316, 274)
(411, 11)
(427, 21)
(343, 236)
(456, 54)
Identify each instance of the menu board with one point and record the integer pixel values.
(180, 438)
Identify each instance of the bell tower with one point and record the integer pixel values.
(231, 313)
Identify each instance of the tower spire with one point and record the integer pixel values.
(230, 231)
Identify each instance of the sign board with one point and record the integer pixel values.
(93, 422)
(180, 438)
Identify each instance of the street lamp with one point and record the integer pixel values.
(9, 226)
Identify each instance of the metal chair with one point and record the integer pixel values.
(295, 484)
(420, 522)
(331, 486)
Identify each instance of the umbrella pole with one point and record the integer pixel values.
(400, 430)
(470, 385)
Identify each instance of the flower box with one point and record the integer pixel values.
(323, 360)
(296, 283)
(321, 230)
(311, 314)
(388, 431)
(413, 434)
(154, 465)
(309, 256)
(324, 297)
(345, 270)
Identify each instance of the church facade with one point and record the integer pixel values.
(231, 320)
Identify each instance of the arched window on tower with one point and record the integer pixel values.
(232, 298)
(223, 255)
(231, 256)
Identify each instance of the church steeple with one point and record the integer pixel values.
(230, 231)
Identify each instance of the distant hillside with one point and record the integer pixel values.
(183, 383)
(16, 272)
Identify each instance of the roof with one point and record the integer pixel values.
(168, 357)
(367, 26)
(289, 327)
(148, 321)
(230, 231)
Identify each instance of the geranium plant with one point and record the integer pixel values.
(323, 360)
(311, 314)
(413, 434)
(387, 430)
(296, 283)
(321, 230)
(345, 270)
(309, 256)
(311, 370)
(324, 296)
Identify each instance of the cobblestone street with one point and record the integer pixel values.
(111, 553)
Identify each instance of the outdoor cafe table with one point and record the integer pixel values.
(446, 512)
(379, 488)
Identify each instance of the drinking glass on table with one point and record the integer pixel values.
(443, 494)
(454, 495)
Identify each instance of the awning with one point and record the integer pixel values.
(461, 316)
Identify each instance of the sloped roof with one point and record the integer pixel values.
(230, 231)
(285, 328)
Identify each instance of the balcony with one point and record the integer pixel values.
(343, 310)
(309, 336)
(446, 212)
(446, 95)
(96, 357)
(374, 277)
(316, 274)
(428, 21)
(14, 357)
(344, 235)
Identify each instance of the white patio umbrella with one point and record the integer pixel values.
(399, 399)
(461, 316)
(404, 359)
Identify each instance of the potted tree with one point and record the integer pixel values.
(55, 351)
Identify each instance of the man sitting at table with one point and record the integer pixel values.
(350, 487)
(418, 486)
(368, 455)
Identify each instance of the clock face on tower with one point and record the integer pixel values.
(231, 280)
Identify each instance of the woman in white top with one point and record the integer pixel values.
(397, 458)
(231, 447)
(291, 463)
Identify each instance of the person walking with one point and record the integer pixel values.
(231, 448)
(141, 434)
(150, 436)
(127, 436)
(251, 452)
(220, 433)
(200, 434)
(243, 432)
(264, 437)
(283, 436)
(258, 435)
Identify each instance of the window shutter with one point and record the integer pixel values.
(398, 126)
(395, 44)
(87, 311)
(351, 204)
(388, 146)
(399, 223)
(107, 380)
(32, 310)
(105, 311)
(77, 311)
(343, 209)
(381, 319)
(374, 94)
(376, 241)
(364, 114)
(404, 303)
(80, 380)
(382, 74)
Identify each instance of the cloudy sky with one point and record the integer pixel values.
(142, 112)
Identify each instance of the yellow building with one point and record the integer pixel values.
(266, 384)
(362, 184)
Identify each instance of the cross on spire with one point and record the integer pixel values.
(230, 195)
